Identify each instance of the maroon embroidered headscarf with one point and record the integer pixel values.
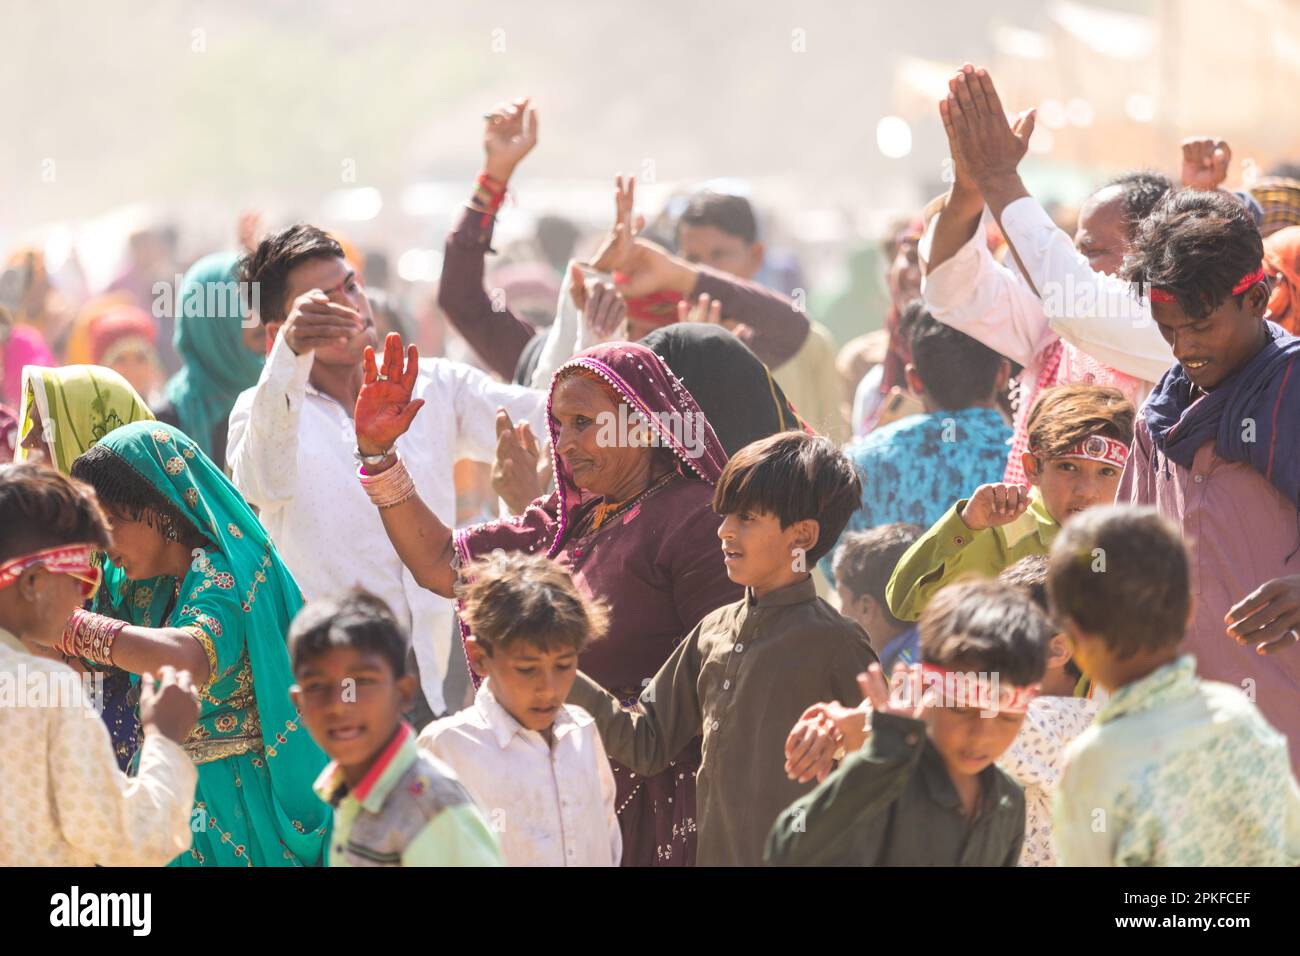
(640, 379)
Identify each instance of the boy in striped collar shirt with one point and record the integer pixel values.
(393, 806)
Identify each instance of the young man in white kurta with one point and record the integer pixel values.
(291, 454)
(549, 804)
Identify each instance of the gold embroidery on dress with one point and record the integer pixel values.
(210, 651)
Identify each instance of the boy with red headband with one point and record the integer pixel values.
(921, 787)
(1078, 444)
(1217, 446)
(63, 800)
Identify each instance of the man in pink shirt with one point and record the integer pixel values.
(1217, 445)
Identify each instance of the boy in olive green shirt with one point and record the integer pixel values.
(748, 671)
(1079, 437)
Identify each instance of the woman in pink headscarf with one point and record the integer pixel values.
(20, 345)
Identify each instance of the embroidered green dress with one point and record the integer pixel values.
(254, 804)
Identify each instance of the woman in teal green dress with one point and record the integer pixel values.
(192, 580)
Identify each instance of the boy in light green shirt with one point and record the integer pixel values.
(1079, 437)
(1175, 770)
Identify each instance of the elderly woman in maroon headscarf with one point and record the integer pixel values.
(635, 462)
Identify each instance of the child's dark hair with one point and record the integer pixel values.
(1121, 573)
(1140, 191)
(356, 619)
(1029, 574)
(275, 257)
(41, 508)
(866, 559)
(118, 486)
(988, 627)
(730, 214)
(506, 598)
(1195, 245)
(795, 476)
(957, 371)
(1064, 415)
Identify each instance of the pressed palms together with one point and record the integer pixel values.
(384, 407)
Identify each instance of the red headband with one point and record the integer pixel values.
(1246, 281)
(956, 689)
(72, 559)
(1098, 448)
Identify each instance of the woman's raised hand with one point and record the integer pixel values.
(384, 407)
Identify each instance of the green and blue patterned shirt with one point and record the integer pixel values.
(1178, 771)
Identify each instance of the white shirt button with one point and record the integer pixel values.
(1199, 479)
(715, 725)
(739, 648)
(726, 685)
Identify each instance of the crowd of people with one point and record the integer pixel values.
(1014, 581)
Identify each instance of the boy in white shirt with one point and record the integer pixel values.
(1056, 717)
(535, 765)
(63, 800)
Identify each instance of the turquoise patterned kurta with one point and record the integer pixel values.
(1177, 771)
(254, 803)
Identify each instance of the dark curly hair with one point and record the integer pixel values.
(1195, 245)
(1140, 191)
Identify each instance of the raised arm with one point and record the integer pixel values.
(384, 411)
(495, 333)
(1091, 310)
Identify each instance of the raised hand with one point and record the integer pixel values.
(515, 474)
(1205, 162)
(984, 143)
(384, 407)
(601, 305)
(316, 321)
(706, 310)
(1268, 617)
(170, 705)
(903, 697)
(994, 505)
(509, 134)
(616, 248)
(250, 230)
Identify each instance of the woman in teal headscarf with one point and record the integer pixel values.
(220, 611)
(222, 357)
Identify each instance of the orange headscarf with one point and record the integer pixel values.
(1282, 260)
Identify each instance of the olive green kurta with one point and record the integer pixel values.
(893, 804)
(742, 677)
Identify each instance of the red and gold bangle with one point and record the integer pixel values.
(388, 488)
(91, 636)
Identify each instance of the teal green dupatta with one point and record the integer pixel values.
(254, 803)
